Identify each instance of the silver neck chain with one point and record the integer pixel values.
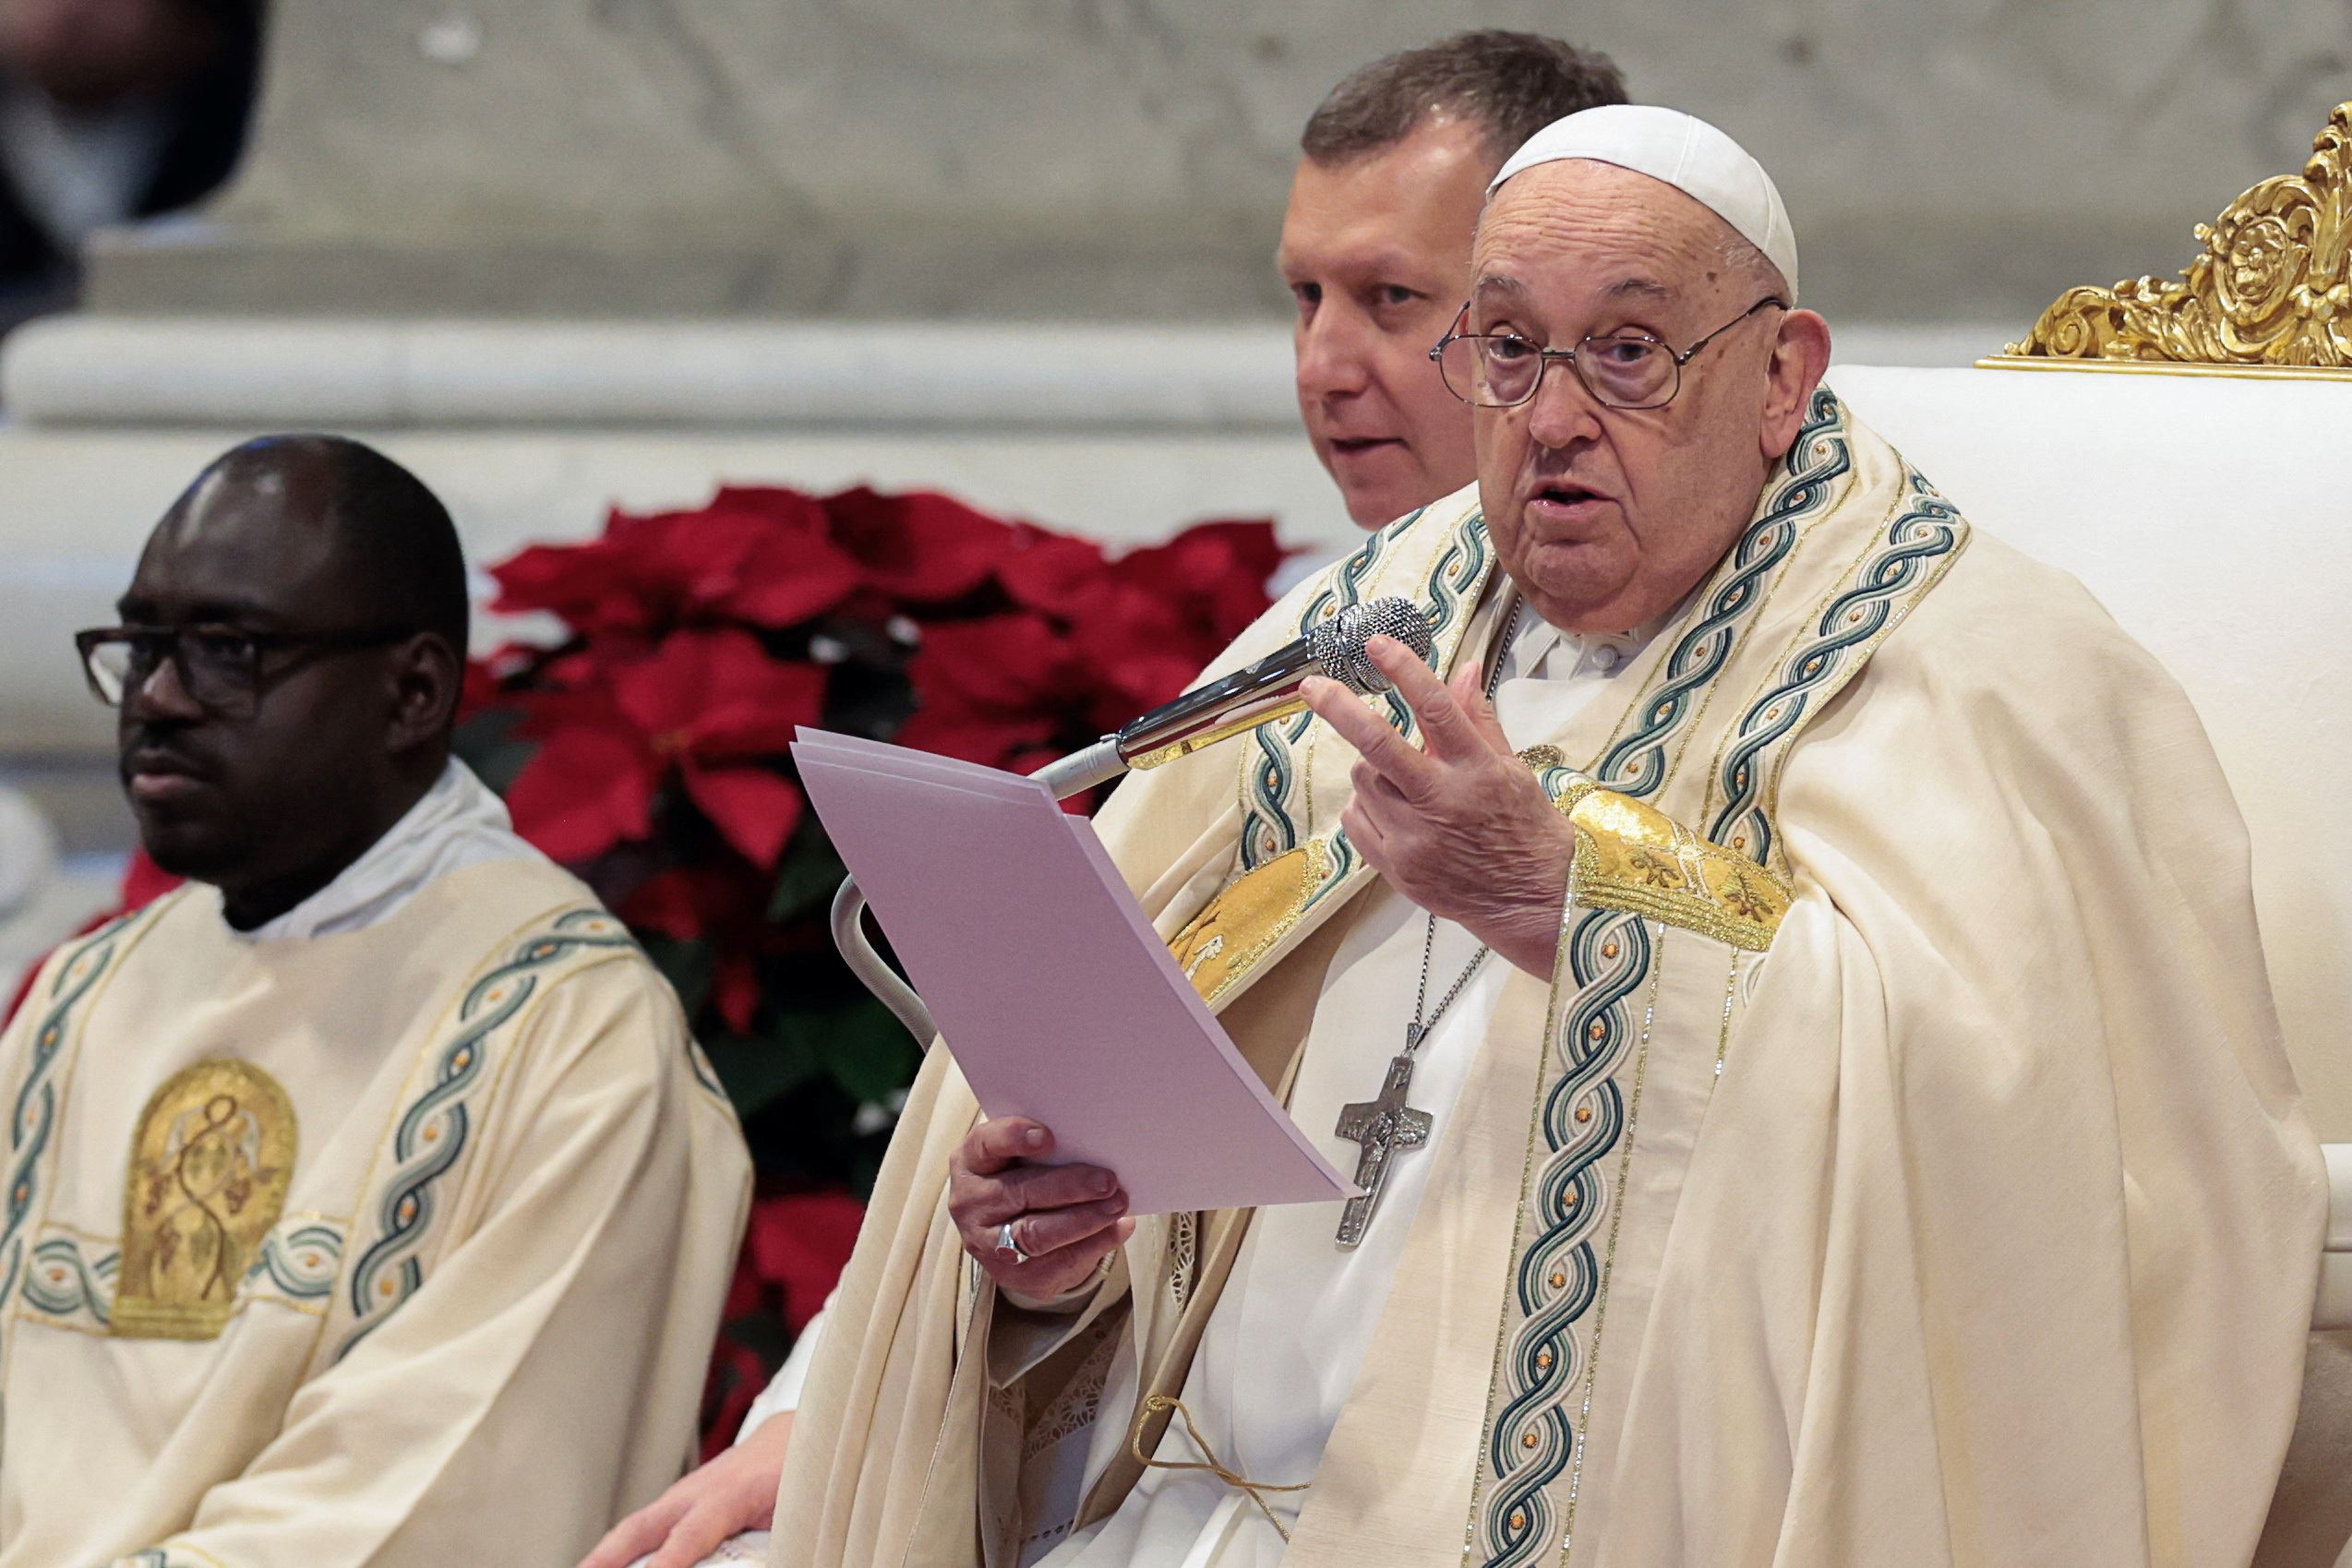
(1420, 1027)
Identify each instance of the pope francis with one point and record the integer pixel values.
(1788, 982)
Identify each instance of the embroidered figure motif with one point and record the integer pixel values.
(209, 1166)
(1630, 856)
(1743, 897)
(1245, 922)
(1654, 868)
(1207, 950)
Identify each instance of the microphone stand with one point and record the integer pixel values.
(1230, 705)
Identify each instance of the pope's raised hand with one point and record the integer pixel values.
(1458, 825)
(1062, 1220)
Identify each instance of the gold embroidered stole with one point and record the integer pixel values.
(1829, 562)
(1845, 539)
(1534, 1255)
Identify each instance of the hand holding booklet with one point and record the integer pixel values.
(1058, 1001)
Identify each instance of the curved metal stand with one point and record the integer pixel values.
(1070, 775)
(872, 970)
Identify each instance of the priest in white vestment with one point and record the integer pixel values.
(1865, 1139)
(368, 1202)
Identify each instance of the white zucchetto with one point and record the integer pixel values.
(1682, 151)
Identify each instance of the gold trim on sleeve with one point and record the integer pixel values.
(1632, 856)
(1246, 921)
(2271, 291)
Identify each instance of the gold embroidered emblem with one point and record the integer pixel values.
(1654, 870)
(1633, 857)
(1245, 922)
(210, 1166)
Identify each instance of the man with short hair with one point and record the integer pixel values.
(1375, 247)
(1786, 980)
(375, 1164)
(1375, 252)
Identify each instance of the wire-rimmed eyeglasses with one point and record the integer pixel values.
(1625, 369)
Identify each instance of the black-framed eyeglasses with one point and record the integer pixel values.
(1627, 369)
(219, 666)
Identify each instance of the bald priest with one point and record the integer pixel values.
(368, 1203)
(1793, 992)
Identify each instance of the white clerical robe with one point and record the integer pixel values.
(1281, 1353)
(1902, 1166)
(311, 1231)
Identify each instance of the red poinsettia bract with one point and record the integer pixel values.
(706, 709)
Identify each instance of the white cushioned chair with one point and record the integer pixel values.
(2213, 515)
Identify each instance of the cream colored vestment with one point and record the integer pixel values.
(395, 1247)
(1902, 1168)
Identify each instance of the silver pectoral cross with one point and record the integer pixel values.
(1383, 1127)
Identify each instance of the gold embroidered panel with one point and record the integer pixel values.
(1632, 856)
(210, 1165)
(2272, 289)
(1245, 921)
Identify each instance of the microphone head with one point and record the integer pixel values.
(1337, 642)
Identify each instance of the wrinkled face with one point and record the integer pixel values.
(1607, 518)
(1377, 253)
(246, 798)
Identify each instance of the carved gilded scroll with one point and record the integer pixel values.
(2272, 289)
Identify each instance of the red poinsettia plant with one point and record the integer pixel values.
(644, 745)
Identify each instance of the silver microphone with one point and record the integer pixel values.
(1227, 706)
(1257, 694)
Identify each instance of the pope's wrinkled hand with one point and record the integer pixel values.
(1064, 1219)
(1458, 825)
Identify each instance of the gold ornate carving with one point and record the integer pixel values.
(2273, 290)
(209, 1166)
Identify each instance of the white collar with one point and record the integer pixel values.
(1538, 638)
(458, 823)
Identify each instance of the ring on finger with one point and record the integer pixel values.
(1007, 1247)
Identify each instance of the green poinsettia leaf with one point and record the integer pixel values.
(757, 1073)
(487, 744)
(866, 1051)
(810, 873)
(763, 1333)
(687, 965)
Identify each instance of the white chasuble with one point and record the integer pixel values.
(395, 1246)
(1280, 1358)
(1901, 1167)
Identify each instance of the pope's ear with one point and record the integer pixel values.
(1800, 358)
